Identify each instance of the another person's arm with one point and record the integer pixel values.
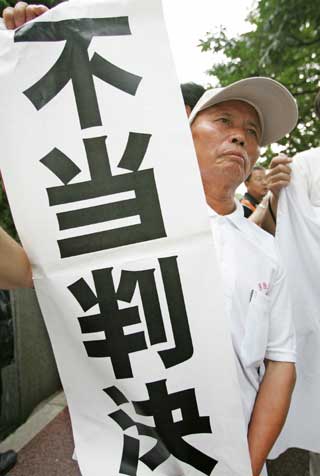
(21, 13)
(15, 268)
(270, 411)
(259, 215)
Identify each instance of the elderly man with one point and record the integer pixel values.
(228, 127)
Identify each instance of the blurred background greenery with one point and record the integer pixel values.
(284, 44)
(5, 215)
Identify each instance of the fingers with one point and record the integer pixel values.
(30, 12)
(283, 179)
(8, 18)
(279, 175)
(16, 16)
(280, 159)
(278, 181)
(39, 9)
(279, 169)
(21, 13)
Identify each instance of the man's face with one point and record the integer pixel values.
(226, 138)
(257, 184)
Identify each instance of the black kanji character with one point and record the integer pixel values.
(74, 63)
(167, 432)
(145, 204)
(117, 344)
(111, 321)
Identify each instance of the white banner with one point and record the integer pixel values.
(103, 182)
(298, 237)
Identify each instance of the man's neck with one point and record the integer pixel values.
(223, 205)
(253, 198)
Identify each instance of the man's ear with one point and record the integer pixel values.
(188, 109)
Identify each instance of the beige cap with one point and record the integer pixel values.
(275, 105)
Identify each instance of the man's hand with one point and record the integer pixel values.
(21, 13)
(279, 174)
(278, 177)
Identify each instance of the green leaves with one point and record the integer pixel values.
(283, 44)
(5, 216)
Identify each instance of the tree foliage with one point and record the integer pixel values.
(5, 215)
(11, 3)
(284, 44)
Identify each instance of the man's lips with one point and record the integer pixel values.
(236, 154)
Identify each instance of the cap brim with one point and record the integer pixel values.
(275, 105)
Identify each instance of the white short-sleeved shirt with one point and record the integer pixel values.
(256, 299)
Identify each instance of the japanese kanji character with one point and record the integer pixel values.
(113, 321)
(142, 182)
(167, 432)
(74, 63)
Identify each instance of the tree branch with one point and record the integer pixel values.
(304, 43)
(301, 93)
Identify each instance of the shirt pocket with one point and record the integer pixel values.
(254, 344)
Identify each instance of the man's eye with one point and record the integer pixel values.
(224, 120)
(253, 132)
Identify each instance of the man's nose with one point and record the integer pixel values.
(238, 138)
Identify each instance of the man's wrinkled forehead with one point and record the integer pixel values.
(228, 105)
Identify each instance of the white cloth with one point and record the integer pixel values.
(298, 237)
(256, 297)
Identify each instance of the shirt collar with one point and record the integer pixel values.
(251, 199)
(236, 217)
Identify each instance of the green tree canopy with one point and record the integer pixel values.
(284, 44)
(5, 215)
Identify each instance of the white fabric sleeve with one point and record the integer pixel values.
(281, 339)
